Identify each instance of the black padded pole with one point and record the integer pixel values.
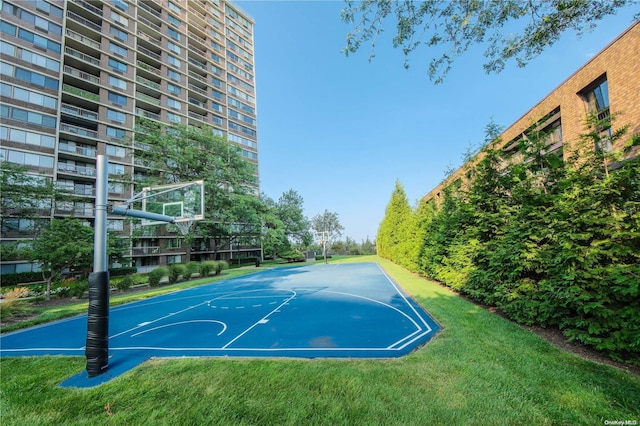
(97, 348)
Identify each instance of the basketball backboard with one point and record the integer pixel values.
(184, 202)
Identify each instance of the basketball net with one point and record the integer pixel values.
(184, 226)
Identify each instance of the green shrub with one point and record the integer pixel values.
(207, 267)
(9, 280)
(156, 275)
(118, 272)
(175, 272)
(190, 269)
(220, 266)
(125, 283)
(78, 288)
(321, 257)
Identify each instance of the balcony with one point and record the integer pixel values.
(81, 74)
(76, 170)
(83, 21)
(78, 112)
(197, 77)
(145, 251)
(194, 101)
(88, 6)
(198, 51)
(149, 99)
(83, 39)
(148, 82)
(198, 38)
(81, 93)
(77, 54)
(197, 90)
(197, 116)
(149, 9)
(149, 23)
(150, 53)
(147, 67)
(144, 36)
(79, 211)
(78, 130)
(198, 64)
(148, 114)
(80, 150)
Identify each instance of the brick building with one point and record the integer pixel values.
(607, 85)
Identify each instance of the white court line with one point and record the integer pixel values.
(261, 321)
(43, 349)
(156, 320)
(401, 293)
(375, 301)
(224, 326)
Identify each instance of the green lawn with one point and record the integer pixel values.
(481, 369)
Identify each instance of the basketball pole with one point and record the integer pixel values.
(97, 346)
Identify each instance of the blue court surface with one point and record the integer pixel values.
(319, 311)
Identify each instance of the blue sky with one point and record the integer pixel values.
(340, 131)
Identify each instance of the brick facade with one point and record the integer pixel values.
(619, 62)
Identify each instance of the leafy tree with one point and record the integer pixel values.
(64, 244)
(396, 232)
(23, 194)
(327, 224)
(289, 209)
(449, 28)
(185, 153)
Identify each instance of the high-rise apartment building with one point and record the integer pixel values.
(75, 74)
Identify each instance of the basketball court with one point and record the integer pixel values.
(318, 311)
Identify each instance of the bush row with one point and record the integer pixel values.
(551, 241)
(185, 271)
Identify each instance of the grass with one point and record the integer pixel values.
(481, 369)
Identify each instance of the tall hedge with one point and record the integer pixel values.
(549, 241)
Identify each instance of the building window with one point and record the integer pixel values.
(173, 34)
(26, 137)
(118, 33)
(46, 7)
(116, 115)
(28, 56)
(119, 19)
(117, 98)
(174, 61)
(596, 97)
(174, 48)
(29, 117)
(115, 151)
(120, 5)
(116, 133)
(117, 82)
(115, 187)
(118, 50)
(174, 104)
(173, 89)
(115, 169)
(173, 20)
(175, 8)
(28, 96)
(173, 75)
(117, 65)
(26, 158)
(115, 224)
(174, 118)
